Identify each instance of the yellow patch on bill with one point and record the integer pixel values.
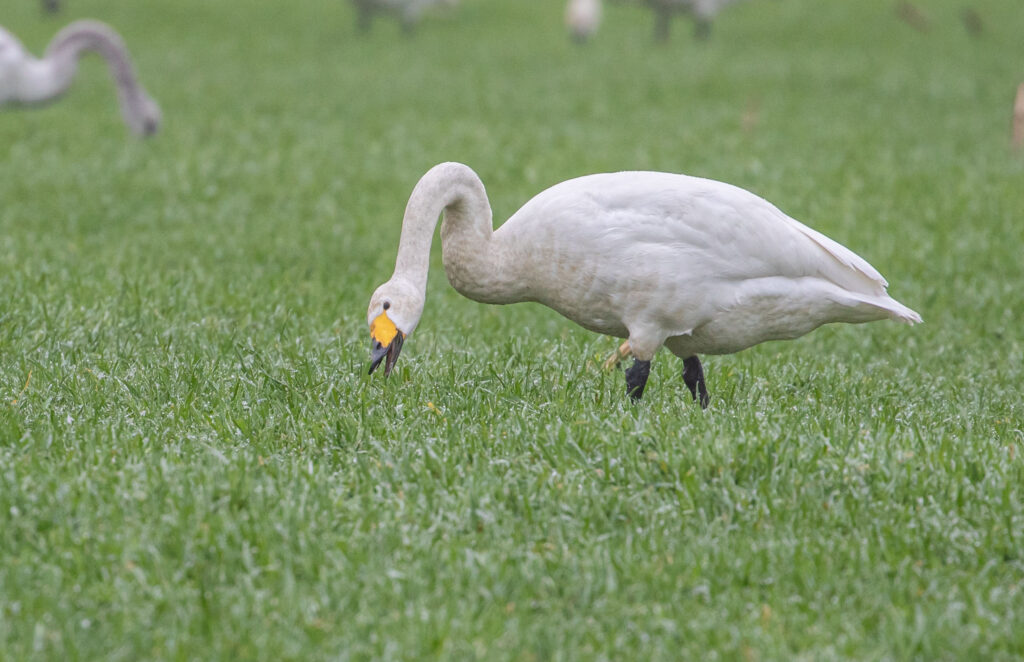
(383, 330)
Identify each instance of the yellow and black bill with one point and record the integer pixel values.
(385, 343)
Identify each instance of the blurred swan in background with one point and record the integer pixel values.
(408, 12)
(582, 18)
(703, 13)
(27, 80)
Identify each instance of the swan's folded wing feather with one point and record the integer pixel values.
(841, 253)
(787, 246)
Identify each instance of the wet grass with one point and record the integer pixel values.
(194, 464)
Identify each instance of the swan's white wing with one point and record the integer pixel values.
(841, 253)
(732, 231)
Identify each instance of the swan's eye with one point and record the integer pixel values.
(387, 304)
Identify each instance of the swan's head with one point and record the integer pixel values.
(142, 114)
(395, 309)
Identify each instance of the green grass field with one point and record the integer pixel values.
(194, 464)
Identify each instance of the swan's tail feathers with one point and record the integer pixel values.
(872, 308)
(901, 313)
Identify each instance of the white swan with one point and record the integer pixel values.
(583, 17)
(408, 12)
(702, 11)
(696, 265)
(27, 80)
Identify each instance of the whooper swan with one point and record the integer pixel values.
(696, 265)
(25, 79)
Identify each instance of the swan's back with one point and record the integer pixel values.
(722, 226)
(12, 56)
(9, 45)
(14, 60)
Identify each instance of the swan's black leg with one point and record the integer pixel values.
(662, 24)
(693, 377)
(636, 378)
(365, 19)
(702, 28)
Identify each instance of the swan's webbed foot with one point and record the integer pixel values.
(693, 377)
(612, 362)
(636, 378)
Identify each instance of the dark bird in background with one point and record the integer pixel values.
(972, 21)
(912, 15)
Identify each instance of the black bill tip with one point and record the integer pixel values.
(378, 352)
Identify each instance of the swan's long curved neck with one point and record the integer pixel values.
(474, 259)
(83, 36)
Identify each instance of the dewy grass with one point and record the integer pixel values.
(194, 464)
